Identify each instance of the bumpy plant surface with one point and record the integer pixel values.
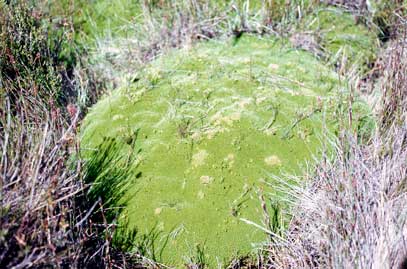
(211, 123)
(204, 128)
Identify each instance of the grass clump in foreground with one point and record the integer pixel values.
(211, 123)
(350, 46)
(352, 212)
(46, 219)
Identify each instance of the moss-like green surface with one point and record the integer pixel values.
(109, 19)
(213, 122)
(101, 19)
(345, 41)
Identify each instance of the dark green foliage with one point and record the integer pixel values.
(387, 18)
(198, 261)
(276, 220)
(46, 219)
(37, 212)
(30, 55)
(109, 173)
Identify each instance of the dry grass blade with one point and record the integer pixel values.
(45, 218)
(351, 213)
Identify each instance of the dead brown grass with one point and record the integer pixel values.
(351, 213)
(46, 218)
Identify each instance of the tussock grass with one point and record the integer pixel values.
(394, 84)
(160, 26)
(46, 218)
(352, 212)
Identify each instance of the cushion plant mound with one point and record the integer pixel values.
(349, 45)
(212, 123)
